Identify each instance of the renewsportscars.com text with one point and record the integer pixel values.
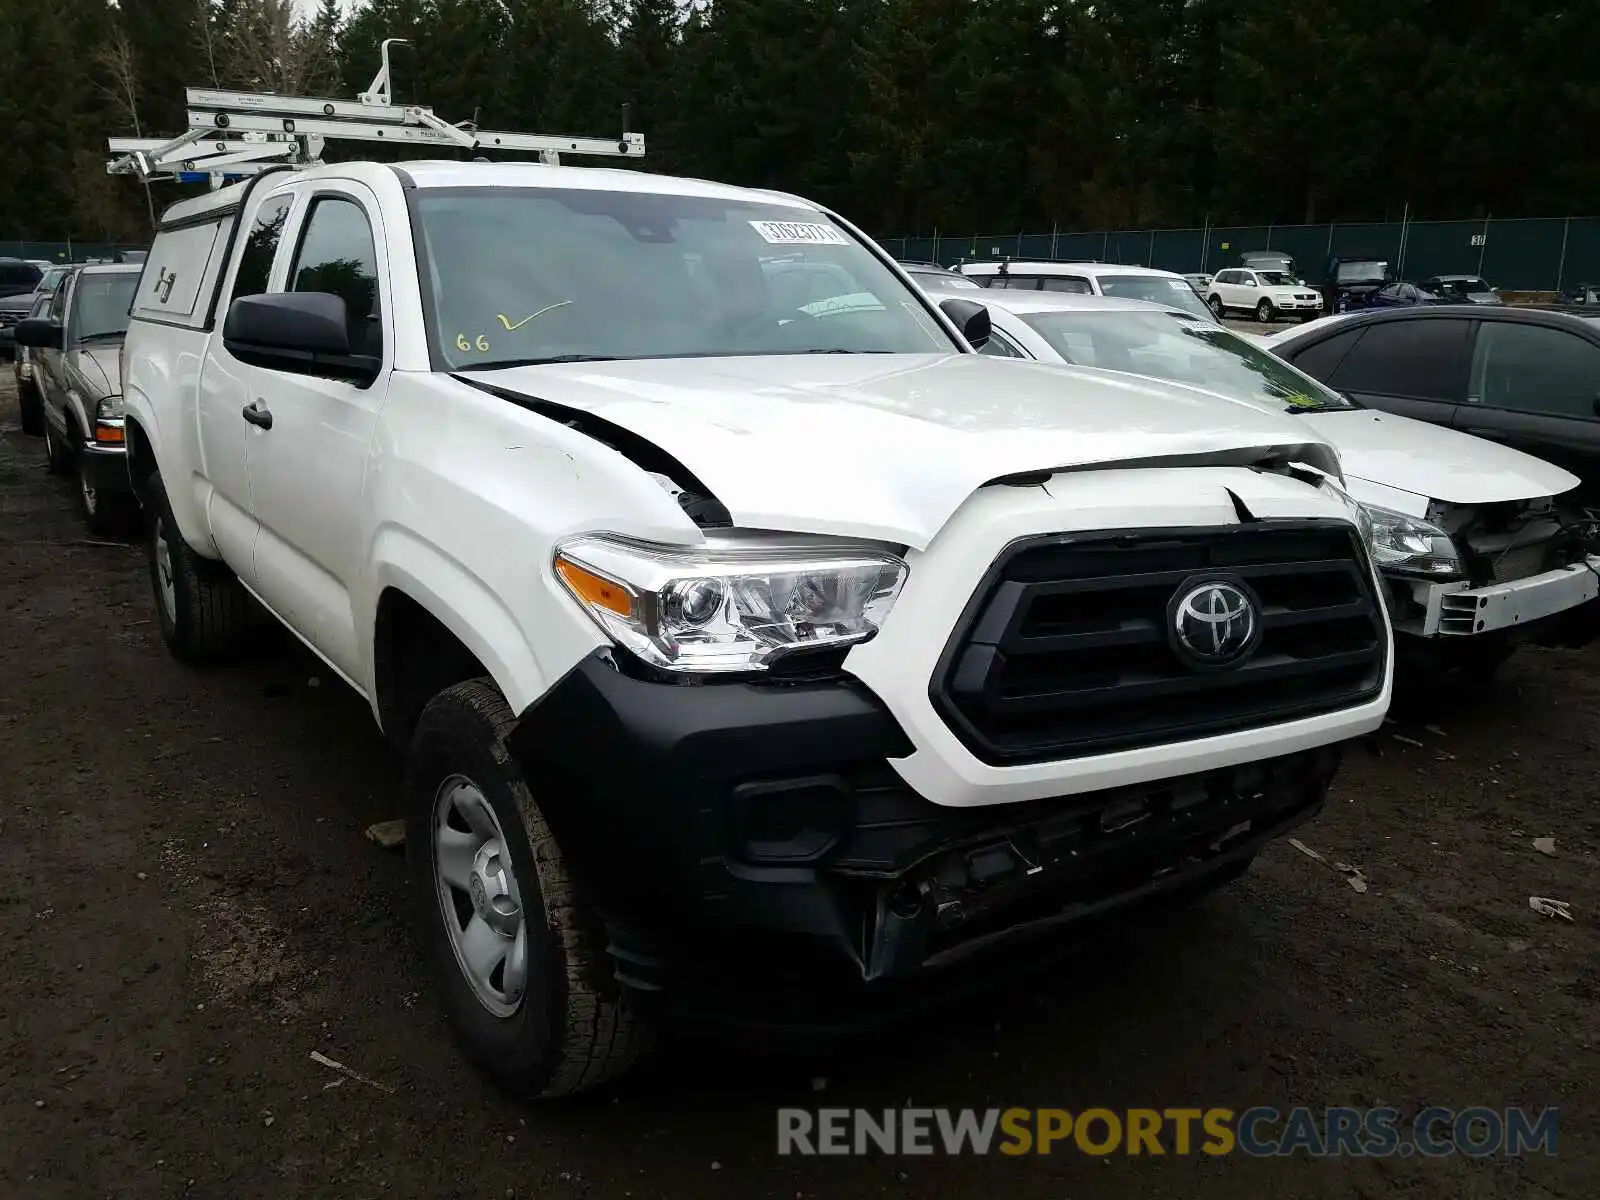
(1257, 1132)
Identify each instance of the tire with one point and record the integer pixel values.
(565, 1029)
(31, 409)
(106, 516)
(1218, 309)
(58, 459)
(1265, 313)
(202, 608)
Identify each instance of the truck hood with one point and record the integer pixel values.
(889, 446)
(99, 367)
(1433, 461)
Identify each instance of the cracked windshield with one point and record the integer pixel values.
(1169, 347)
(544, 275)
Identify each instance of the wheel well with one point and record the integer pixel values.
(141, 463)
(415, 657)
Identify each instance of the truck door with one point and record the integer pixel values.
(309, 444)
(225, 390)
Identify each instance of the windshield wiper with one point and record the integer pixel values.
(537, 362)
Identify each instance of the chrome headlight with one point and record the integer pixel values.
(1411, 546)
(109, 409)
(730, 605)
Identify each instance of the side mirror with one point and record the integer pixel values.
(971, 318)
(305, 333)
(1597, 406)
(41, 333)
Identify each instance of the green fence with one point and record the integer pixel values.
(1535, 254)
(65, 252)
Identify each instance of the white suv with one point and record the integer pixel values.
(1090, 279)
(1266, 294)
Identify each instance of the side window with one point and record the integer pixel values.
(1530, 368)
(1000, 346)
(1417, 359)
(1073, 284)
(1321, 359)
(255, 261)
(1025, 283)
(58, 302)
(337, 255)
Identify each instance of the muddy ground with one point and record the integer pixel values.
(188, 909)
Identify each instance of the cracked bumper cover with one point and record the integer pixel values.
(732, 835)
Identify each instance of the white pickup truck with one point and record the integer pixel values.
(797, 656)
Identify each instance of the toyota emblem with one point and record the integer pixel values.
(1215, 622)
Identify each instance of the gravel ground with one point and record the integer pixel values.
(188, 909)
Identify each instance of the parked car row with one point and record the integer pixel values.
(767, 644)
(69, 384)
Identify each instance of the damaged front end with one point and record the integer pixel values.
(1526, 570)
(757, 862)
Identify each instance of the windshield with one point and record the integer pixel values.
(51, 277)
(1363, 271)
(1464, 287)
(1158, 288)
(539, 275)
(1200, 353)
(1277, 278)
(100, 304)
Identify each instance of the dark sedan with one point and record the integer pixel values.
(1527, 377)
(1403, 295)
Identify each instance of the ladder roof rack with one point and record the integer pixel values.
(234, 134)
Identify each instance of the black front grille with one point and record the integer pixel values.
(1064, 650)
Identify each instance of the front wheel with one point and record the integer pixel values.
(32, 409)
(57, 457)
(1265, 313)
(521, 961)
(1217, 308)
(106, 514)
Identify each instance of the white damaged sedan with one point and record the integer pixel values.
(1482, 546)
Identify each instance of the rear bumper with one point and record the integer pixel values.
(751, 851)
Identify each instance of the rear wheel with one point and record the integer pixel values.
(1217, 307)
(1265, 313)
(521, 961)
(202, 606)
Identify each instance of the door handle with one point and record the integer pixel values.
(258, 414)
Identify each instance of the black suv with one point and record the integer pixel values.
(1527, 377)
(17, 277)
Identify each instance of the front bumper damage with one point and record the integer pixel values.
(755, 858)
(1557, 607)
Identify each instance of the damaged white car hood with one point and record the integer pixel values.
(1433, 462)
(889, 446)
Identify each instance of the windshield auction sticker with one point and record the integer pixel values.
(799, 233)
